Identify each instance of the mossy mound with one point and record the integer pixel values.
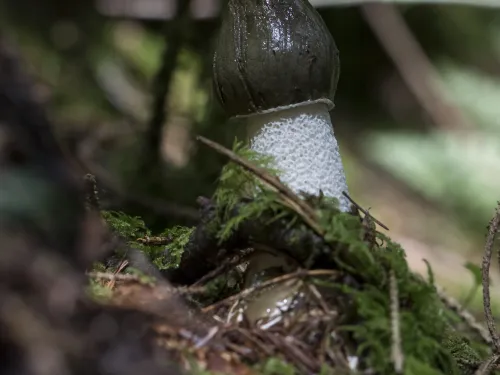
(371, 309)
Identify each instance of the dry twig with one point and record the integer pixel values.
(492, 361)
(488, 365)
(488, 250)
(465, 315)
(114, 276)
(154, 241)
(138, 279)
(123, 264)
(364, 211)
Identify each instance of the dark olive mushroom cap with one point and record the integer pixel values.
(273, 53)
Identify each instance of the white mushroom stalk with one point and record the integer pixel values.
(301, 140)
(277, 65)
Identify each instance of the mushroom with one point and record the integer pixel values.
(276, 66)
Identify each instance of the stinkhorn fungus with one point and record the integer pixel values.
(277, 66)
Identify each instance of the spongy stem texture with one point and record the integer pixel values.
(304, 148)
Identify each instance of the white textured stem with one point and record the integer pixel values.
(300, 139)
(305, 150)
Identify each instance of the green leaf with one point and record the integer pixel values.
(475, 270)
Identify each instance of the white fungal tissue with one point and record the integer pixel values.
(304, 147)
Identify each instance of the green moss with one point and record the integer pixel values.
(128, 227)
(236, 184)
(179, 238)
(241, 198)
(422, 323)
(468, 359)
(424, 327)
(133, 229)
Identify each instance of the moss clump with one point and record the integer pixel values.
(244, 203)
(179, 237)
(468, 359)
(247, 211)
(129, 227)
(163, 249)
(236, 184)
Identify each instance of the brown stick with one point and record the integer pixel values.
(488, 250)
(366, 212)
(465, 315)
(154, 241)
(488, 366)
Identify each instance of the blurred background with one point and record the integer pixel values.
(417, 111)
